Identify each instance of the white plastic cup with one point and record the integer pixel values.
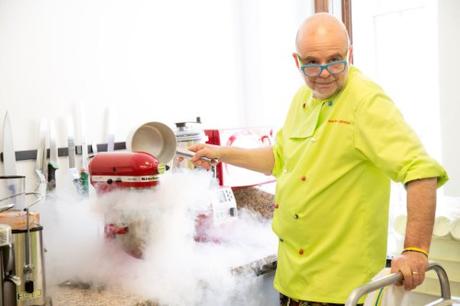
(455, 230)
(442, 226)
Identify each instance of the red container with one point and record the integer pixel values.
(232, 176)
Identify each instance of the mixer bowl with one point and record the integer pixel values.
(155, 138)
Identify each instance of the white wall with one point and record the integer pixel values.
(226, 61)
(147, 60)
(449, 68)
(164, 61)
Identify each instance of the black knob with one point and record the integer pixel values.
(29, 286)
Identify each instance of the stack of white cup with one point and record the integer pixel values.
(447, 221)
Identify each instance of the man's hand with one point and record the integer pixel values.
(255, 159)
(412, 265)
(204, 150)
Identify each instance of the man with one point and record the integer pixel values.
(342, 142)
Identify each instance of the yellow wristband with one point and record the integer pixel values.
(415, 249)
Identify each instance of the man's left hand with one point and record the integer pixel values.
(412, 265)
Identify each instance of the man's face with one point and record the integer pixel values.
(329, 81)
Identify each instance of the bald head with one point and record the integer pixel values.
(321, 40)
(320, 30)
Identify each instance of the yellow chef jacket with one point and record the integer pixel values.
(334, 159)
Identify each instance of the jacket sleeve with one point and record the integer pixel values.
(386, 140)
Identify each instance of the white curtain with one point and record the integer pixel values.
(228, 61)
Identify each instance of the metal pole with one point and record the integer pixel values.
(397, 277)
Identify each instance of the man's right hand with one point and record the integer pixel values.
(212, 152)
(255, 159)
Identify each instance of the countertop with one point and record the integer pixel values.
(79, 294)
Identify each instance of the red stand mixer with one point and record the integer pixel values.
(151, 146)
(127, 171)
(113, 170)
(154, 145)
